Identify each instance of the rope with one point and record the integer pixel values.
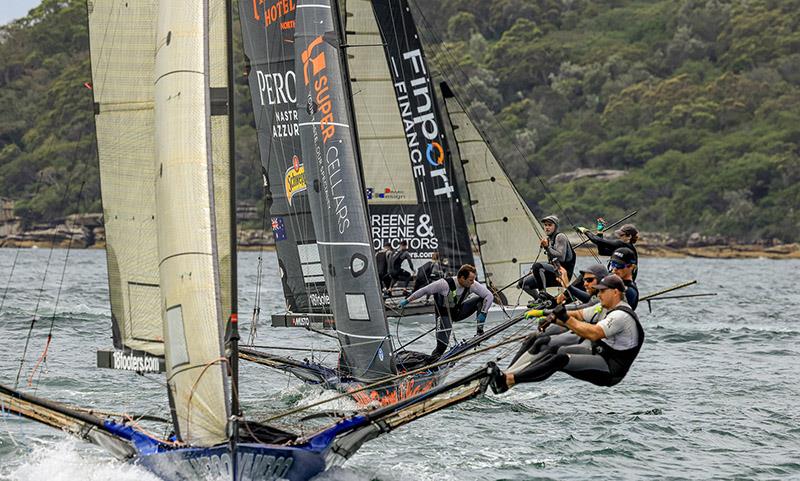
(393, 378)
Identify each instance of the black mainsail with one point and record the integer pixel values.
(336, 194)
(268, 32)
(425, 142)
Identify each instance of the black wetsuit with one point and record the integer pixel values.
(382, 265)
(631, 294)
(452, 309)
(594, 362)
(606, 247)
(396, 267)
(546, 275)
(429, 272)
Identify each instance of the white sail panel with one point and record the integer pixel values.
(382, 140)
(186, 231)
(220, 147)
(508, 232)
(122, 41)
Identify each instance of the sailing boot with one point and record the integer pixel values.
(497, 378)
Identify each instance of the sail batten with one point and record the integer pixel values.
(503, 221)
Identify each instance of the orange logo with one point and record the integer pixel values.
(323, 99)
(274, 12)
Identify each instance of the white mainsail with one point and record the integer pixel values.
(187, 230)
(122, 39)
(508, 232)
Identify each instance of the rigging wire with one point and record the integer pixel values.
(43, 356)
(394, 378)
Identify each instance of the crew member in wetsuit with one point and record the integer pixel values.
(627, 235)
(604, 359)
(382, 264)
(623, 264)
(452, 305)
(582, 291)
(429, 272)
(559, 253)
(400, 276)
(554, 335)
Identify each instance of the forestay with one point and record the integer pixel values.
(189, 77)
(507, 230)
(336, 193)
(122, 40)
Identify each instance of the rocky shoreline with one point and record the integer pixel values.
(86, 231)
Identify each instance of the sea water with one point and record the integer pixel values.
(712, 395)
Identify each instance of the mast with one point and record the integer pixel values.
(233, 321)
(336, 194)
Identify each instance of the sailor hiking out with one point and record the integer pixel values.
(559, 254)
(611, 345)
(627, 235)
(453, 303)
(400, 277)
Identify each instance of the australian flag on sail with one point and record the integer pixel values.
(278, 229)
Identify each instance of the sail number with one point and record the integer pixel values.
(251, 466)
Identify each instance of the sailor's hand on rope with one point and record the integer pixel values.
(560, 313)
(403, 303)
(545, 242)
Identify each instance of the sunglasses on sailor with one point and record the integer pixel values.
(618, 265)
(589, 280)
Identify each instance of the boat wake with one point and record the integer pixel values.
(67, 460)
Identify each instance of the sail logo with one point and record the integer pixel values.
(331, 169)
(323, 100)
(421, 125)
(295, 179)
(129, 362)
(274, 12)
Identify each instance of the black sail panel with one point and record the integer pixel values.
(268, 30)
(441, 215)
(336, 194)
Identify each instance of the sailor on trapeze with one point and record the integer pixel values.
(604, 358)
(452, 305)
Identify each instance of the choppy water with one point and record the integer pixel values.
(713, 394)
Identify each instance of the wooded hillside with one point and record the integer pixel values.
(697, 102)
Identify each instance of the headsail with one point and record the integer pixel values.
(122, 40)
(336, 192)
(189, 77)
(507, 230)
(268, 32)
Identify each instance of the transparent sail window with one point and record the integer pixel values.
(177, 337)
(310, 263)
(357, 307)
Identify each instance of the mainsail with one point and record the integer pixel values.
(268, 32)
(336, 192)
(122, 39)
(439, 218)
(405, 164)
(187, 139)
(507, 231)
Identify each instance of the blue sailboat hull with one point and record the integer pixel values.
(256, 462)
